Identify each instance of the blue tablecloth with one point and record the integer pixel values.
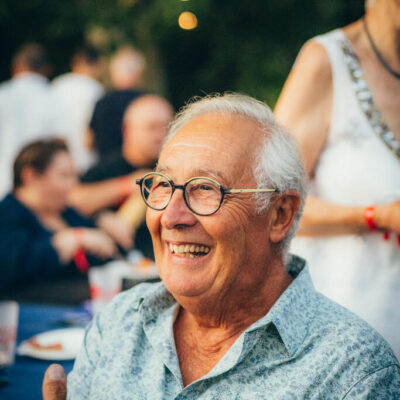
(26, 374)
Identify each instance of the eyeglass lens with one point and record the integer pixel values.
(202, 195)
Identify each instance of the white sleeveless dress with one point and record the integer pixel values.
(359, 166)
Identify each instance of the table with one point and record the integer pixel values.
(26, 374)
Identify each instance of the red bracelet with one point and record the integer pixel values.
(80, 259)
(369, 213)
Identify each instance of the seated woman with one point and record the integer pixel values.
(46, 246)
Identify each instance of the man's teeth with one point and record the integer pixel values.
(189, 250)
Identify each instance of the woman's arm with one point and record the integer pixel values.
(305, 104)
(322, 218)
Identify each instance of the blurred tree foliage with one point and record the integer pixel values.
(246, 46)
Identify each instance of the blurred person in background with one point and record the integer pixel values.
(46, 246)
(127, 68)
(108, 183)
(28, 108)
(79, 90)
(342, 102)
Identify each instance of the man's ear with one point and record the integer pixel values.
(282, 214)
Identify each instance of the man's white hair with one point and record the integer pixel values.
(277, 164)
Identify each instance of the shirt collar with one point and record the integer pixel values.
(291, 314)
(295, 309)
(152, 305)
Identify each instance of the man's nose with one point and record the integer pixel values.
(177, 213)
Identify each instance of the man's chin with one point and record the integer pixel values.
(184, 288)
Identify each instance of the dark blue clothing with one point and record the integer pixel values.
(106, 122)
(26, 252)
(112, 165)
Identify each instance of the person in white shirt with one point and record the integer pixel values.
(79, 90)
(29, 109)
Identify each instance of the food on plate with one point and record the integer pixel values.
(52, 346)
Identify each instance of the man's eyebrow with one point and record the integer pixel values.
(219, 176)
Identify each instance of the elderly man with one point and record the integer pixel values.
(231, 318)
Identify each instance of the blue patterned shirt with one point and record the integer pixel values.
(305, 347)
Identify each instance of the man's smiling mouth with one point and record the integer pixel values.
(189, 250)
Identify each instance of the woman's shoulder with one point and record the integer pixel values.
(313, 60)
(15, 216)
(8, 200)
(11, 207)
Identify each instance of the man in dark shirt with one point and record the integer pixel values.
(126, 74)
(108, 183)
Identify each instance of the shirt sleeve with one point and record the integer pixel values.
(80, 378)
(383, 384)
(103, 335)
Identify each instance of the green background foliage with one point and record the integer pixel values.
(239, 45)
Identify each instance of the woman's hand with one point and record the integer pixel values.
(65, 242)
(117, 228)
(94, 241)
(387, 217)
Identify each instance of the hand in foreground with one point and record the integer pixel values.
(54, 383)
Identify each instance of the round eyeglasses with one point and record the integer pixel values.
(203, 196)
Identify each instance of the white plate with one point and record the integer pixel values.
(70, 339)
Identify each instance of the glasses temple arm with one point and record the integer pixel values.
(227, 191)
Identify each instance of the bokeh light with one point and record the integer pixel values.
(187, 20)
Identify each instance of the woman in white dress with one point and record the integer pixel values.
(342, 103)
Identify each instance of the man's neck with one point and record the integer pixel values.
(203, 333)
(85, 70)
(235, 310)
(33, 201)
(24, 71)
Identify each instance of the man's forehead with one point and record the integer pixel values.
(210, 129)
(218, 142)
(199, 171)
